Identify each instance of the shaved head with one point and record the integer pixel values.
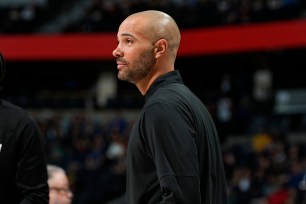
(148, 42)
(157, 25)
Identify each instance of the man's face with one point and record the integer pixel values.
(59, 189)
(134, 53)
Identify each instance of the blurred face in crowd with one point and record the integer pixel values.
(59, 189)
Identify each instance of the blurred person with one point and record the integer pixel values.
(23, 172)
(58, 182)
(174, 153)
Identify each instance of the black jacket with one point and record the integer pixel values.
(23, 173)
(174, 154)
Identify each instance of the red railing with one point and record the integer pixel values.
(195, 42)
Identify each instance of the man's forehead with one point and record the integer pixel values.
(133, 22)
(132, 28)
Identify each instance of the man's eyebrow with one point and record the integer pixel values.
(127, 34)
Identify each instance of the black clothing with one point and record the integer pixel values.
(23, 171)
(174, 154)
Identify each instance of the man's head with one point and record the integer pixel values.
(148, 42)
(2, 70)
(58, 185)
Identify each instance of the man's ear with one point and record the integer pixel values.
(161, 47)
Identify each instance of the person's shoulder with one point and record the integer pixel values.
(171, 92)
(9, 106)
(10, 110)
(165, 96)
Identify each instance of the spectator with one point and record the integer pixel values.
(58, 182)
(23, 172)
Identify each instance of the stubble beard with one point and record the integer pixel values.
(139, 69)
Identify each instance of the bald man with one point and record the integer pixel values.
(174, 154)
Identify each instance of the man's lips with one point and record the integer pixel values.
(120, 64)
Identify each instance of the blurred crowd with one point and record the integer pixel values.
(266, 169)
(105, 15)
(91, 149)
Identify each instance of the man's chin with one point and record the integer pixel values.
(122, 77)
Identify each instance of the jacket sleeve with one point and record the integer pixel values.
(31, 175)
(173, 148)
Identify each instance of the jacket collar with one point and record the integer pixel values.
(168, 78)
